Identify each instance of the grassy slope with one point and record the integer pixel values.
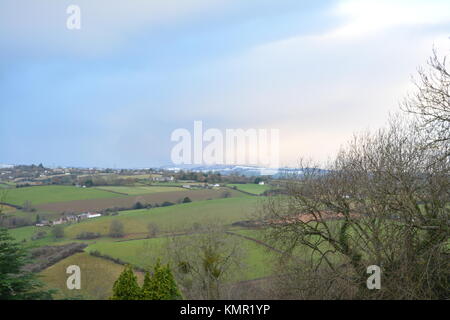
(97, 277)
(257, 260)
(48, 194)
(173, 218)
(251, 187)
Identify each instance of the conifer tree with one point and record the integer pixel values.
(15, 282)
(160, 286)
(126, 286)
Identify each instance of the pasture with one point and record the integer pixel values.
(50, 194)
(123, 201)
(97, 278)
(251, 188)
(177, 218)
(257, 260)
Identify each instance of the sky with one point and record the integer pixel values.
(111, 93)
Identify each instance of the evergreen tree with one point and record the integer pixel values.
(126, 286)
(161, 286)
(15, 283)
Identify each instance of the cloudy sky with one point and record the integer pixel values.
(111, 93)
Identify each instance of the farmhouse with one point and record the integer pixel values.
(43, 223)
(59, 221)
(88, 215)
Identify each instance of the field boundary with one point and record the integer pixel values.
(244, 192)
(11, 205)
(257, 241)
(116, 192)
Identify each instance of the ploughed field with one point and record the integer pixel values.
(122, 201)
(74, 199)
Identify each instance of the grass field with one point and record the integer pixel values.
(251, 188)
(24, 235)
(257, 260)
(138, 190)
(97, 277)
(173, 218)
(49, 194)
(124, 201)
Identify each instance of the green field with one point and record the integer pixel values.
(251, 187)
(48, 194)
(257, 260)
(97, 277)
(141, 253)
(138, 190)
(175, 218)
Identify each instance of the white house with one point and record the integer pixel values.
(261, 183)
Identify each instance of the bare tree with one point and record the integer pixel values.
(384, 201)
(116, 229)
(431, 102)
(152, 229)
(205, 261)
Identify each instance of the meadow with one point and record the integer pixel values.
(257, 260)
(177, 218)
(256, 189)
(50, 194)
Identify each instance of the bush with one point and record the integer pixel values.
(226, 194)
(39, 235)
(187, 200)
(138, 206)
(167, 203)
(58, 231)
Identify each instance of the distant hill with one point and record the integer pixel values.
(242, 170)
